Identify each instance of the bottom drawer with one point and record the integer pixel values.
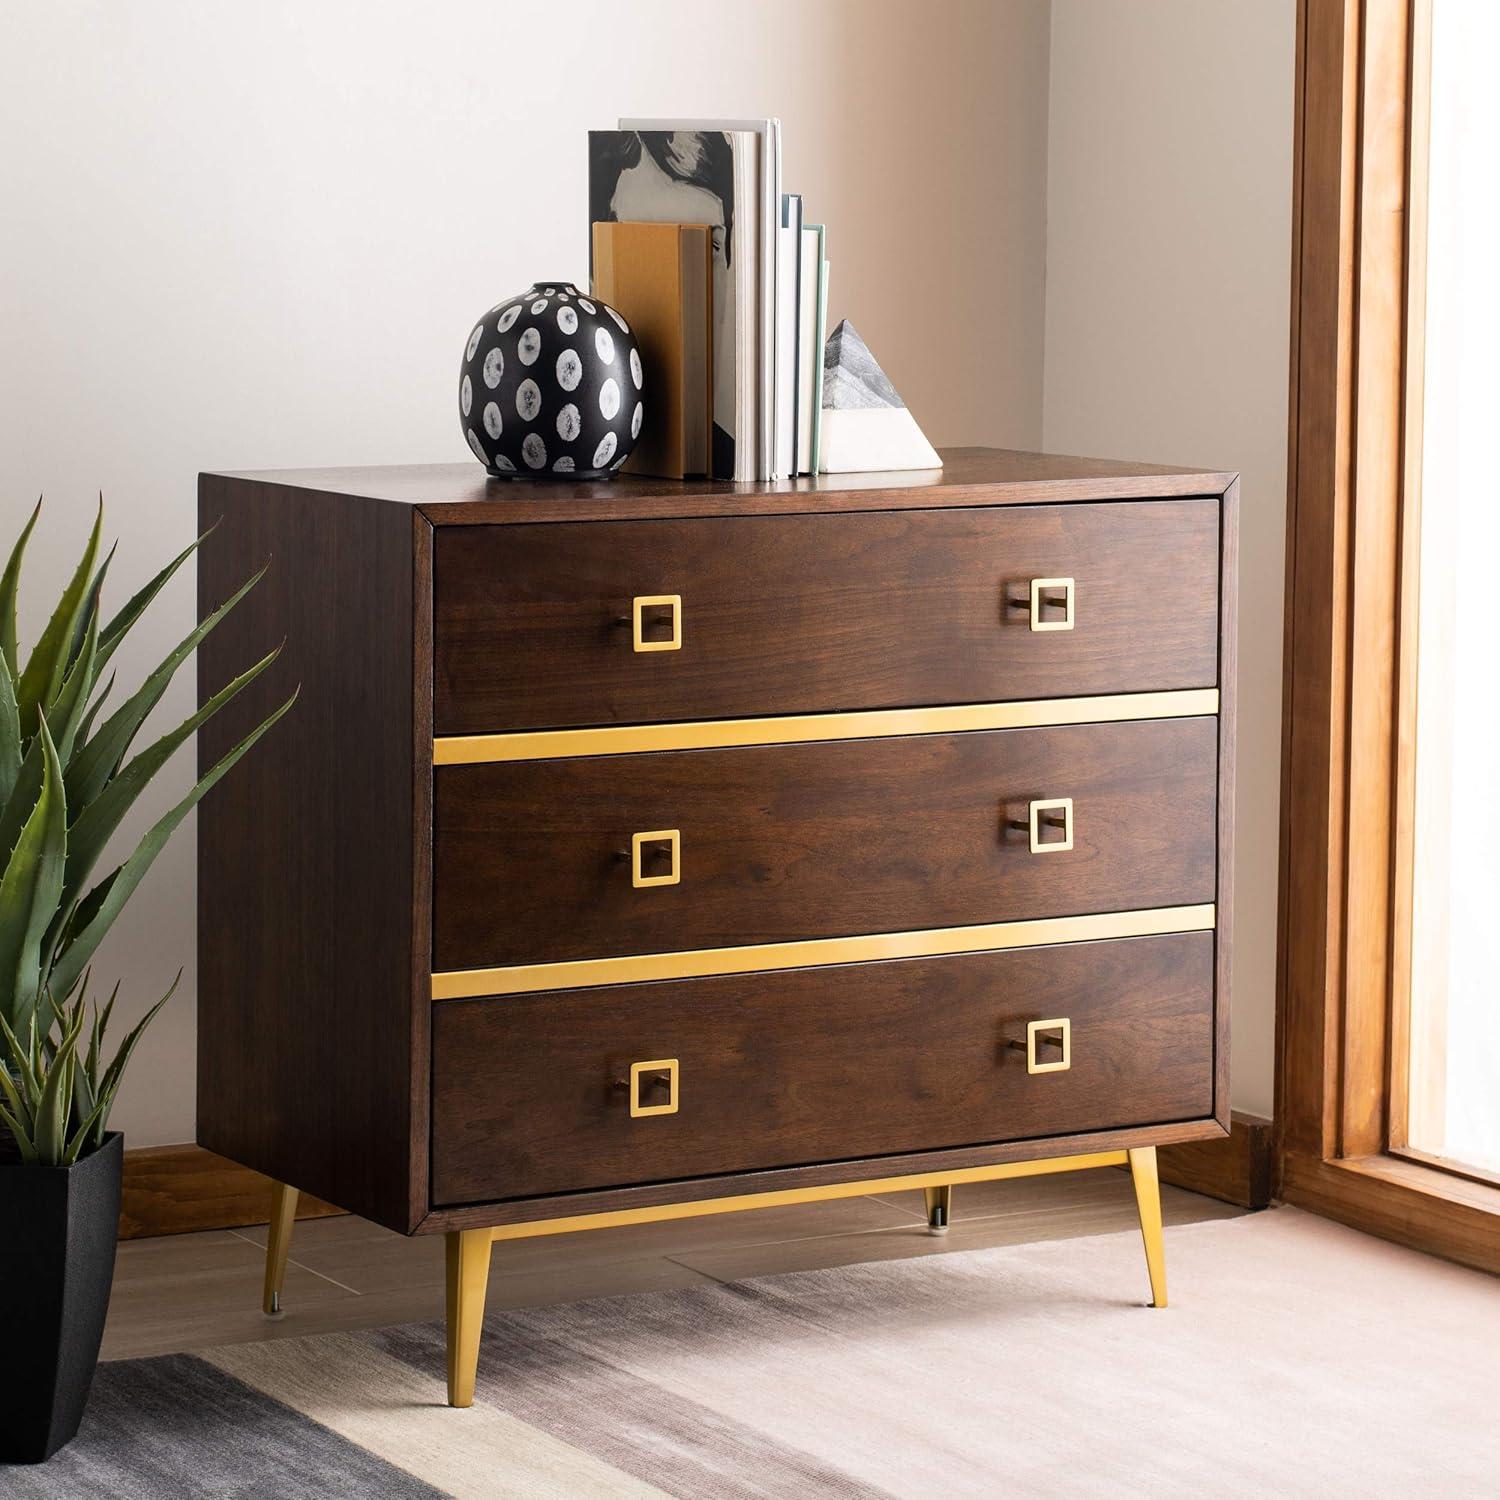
(532, 1094)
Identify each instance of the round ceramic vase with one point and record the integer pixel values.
(551, 386)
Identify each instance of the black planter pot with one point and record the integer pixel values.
(58, 1227)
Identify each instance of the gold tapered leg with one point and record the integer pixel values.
(468, 1275)
(278, 1242)
(1148, 1206)
(939, 1206)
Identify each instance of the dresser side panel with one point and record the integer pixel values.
(307, 1039)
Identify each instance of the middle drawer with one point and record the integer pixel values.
(534, 861)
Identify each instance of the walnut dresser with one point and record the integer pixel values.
(650, 849)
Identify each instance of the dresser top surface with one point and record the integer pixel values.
(463, 494)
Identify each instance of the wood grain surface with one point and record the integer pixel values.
(780, 842)
(309, 1066)
(462, 494)
(336, 870)
(808, 1065)
(819, 613)
(183, 1189)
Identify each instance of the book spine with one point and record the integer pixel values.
(769, 150)
(817, 463)
(788, 257)
(749, 339)
(809, 263)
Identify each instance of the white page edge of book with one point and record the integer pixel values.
(809, 351)
(822, 341)
(788, 244)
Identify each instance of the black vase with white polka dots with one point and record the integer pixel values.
(551, 386)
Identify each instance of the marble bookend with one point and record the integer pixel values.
(865, 424)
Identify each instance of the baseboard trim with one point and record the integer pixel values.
(178, 1189)
(1405, 1201)
(1237, 1167)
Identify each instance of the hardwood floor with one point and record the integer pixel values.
(192, 1291)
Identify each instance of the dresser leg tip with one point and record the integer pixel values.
(939, 1205)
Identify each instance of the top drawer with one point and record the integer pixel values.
(533, 625)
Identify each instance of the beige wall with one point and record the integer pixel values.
(255, 235)
(1168, 263)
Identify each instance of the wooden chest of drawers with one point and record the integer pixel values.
(651, 848)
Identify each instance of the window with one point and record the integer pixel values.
(1453, 981)
(1388, 999)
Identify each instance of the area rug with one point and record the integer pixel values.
(1297, 1358)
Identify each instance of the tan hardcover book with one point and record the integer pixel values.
(659, 278)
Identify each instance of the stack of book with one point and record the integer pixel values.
(725, 287)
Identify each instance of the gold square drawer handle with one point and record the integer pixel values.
(648, 1080)
(1046, 597)
(652, 848)
(672, 603)
(1053, 813)
(1055, 1035)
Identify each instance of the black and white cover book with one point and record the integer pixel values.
(699, 177)
(763, 185)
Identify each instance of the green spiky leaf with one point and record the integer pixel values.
(109, 1084)
(11, 1092)
(10, 581)
(50, 1132)
(90, 612)
(117, 629)
(64, 719)
(10, 739)
(102, 905)
(31, 888)
(99, 759)
(23, 1060)
(92, 828)
(72, 703)
(21, 1134)
(86, 723)
(39, 682)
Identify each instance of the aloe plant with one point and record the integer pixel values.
(57, 1104)
(66, 784)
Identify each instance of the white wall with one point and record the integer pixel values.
(1168, 274)
(255, 235)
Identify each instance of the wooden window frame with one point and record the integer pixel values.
(1358, 267)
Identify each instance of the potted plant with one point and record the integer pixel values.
(67, 779)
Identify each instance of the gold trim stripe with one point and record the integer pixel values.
(713, 734)
(735, 1203)
(526, 979)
